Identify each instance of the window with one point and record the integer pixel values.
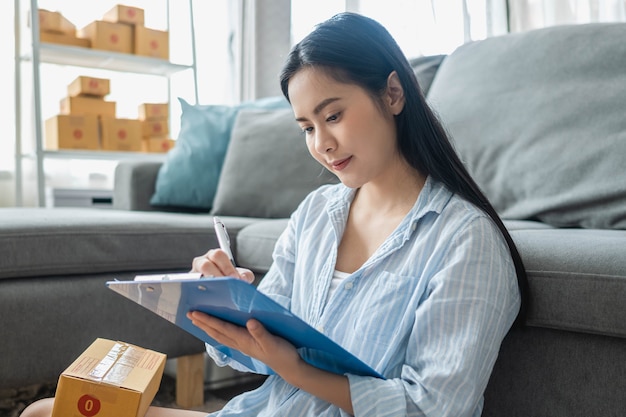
(421, 27)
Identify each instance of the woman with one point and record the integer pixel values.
(405, 263)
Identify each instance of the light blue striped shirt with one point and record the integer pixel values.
(428, 310)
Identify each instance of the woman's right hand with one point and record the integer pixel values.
(215, 263)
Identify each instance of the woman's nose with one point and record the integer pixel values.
(324, 141)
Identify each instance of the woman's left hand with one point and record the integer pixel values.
(253, 340)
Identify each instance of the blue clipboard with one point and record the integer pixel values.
(237, 301)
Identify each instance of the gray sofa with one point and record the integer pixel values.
(539, 118)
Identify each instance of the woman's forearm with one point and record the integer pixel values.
(325, 385)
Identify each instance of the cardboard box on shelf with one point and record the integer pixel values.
(59, 38)
(89, 86)
(109, 379)
(124, 14)
(72, 132)
(155, 127)
(154, 111)
(151, 42)
(108, 36)
(87, 105)
(157, 144)
(55, 22)
(120, 134)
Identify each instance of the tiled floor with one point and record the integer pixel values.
(13, 401)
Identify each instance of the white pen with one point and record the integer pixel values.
(222, 238)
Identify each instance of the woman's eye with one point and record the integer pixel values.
(307, 130)
(333, 117)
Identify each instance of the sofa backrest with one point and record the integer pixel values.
(539, 118)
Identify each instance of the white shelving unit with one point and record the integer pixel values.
(73, 56)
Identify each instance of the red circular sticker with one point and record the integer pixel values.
(121, 134)
(78, 134)
(154, 44)
(88, 405)
(114, 38)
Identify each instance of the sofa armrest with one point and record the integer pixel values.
(134, 185)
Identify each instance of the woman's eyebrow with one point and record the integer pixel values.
(319, 107)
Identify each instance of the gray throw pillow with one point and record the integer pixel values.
(267, 170)
(539, 118)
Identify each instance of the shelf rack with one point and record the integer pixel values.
(77, 57)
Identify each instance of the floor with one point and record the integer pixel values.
(13, 401)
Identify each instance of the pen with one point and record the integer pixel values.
(222, 238)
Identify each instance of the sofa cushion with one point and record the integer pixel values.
(267, 169)
(425, 69)
(538, 117)
(577, 278)
(255, 244)
(66, 241)
(188, 177)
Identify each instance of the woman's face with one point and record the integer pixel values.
(345, 129)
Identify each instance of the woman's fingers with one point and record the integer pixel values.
(216, 263)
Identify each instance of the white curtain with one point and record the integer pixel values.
(263, 42)
(531, 14)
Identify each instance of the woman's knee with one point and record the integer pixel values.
(40, 408)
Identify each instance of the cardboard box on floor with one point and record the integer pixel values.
(109, 379)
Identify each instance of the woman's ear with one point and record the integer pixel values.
(395, 93)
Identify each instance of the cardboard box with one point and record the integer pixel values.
(120, 134)
(152, 43)
(155, 127)
(51, 37)
(89, 86)
(108, 36)
(87, 105)
(54, 22)
(157, 144)
(72, 132)
(109, 379)
(154, 111)
(124, 14)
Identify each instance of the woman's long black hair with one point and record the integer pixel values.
(358, 50)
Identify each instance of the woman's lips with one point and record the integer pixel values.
(341, 164)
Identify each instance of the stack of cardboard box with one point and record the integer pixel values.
(88, 121)
(55, 28)
(122, 29)
(155, 120)
(76, 127)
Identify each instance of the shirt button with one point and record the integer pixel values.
(413, 226)
(320, 329)
(348, 286)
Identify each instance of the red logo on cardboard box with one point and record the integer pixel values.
(78, 134)
(131, 12)
(121, 134)
(93, 83)
(154, 44)
(88, 406)
(114, 38)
